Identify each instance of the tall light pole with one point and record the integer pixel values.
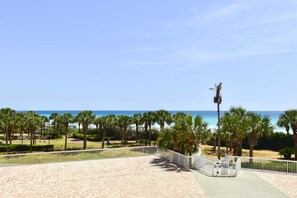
(218, 100)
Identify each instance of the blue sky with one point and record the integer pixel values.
(132, 55)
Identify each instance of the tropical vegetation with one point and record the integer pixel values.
(179, 132)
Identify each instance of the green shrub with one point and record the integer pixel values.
(3, 148)
(141, 141)
(78, 135)
(287, 152)
(94, 138)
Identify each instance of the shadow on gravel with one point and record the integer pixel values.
(166, 165)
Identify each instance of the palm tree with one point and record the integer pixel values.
(185, 136)
(85, 118)
(163, 117)
(179, 117)
(283, 121)
(151, 119)
(145, 120)
(32, 122)
(137, 120)
(7, 122)
(53, 118)
(20, 119)
(44, 120)
(108, 122)
(290, 118)
(259, 126)
(236, 124)
(65, 119)
(124, 121)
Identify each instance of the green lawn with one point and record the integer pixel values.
(73, 144)
(37, 158)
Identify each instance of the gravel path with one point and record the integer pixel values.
(122, 177)
(286, 183)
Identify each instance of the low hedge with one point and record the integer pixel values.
(25, 147)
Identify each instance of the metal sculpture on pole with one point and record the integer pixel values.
(218, 100)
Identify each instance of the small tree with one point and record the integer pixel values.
(85, 118)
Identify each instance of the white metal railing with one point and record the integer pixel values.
(268, 164)
(75, 155)
(226, 167)
(177, 158)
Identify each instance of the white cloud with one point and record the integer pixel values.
(223, 12)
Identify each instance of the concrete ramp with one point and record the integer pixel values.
(246, 185)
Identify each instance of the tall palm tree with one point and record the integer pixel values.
(137, 120)
(151, 119)
(53, 118)
(44, 120)
(108, 122)
(20, 119)
(65, 119)
(290, 118)
(283, 121)
(124, 121)
(7, 122)
(236, 124)
(145, 121)
(32, 122)
(85, 118)
(259, 126)
(163, 117)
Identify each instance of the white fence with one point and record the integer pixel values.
(267, 164)
(177, 158)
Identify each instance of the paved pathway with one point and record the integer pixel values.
(136, 177)
(247, 184)
(122, 177)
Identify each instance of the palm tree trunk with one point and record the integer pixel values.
(85, 137)
(125, 134)
(150, 134)
(6, 135)
(136, 134)
(146, 134)
(162, 126)
(66, 134)
(251, 156)
(103, 138)
(9, 135)
(31, 142)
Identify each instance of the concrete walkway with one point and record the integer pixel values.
(247, 184)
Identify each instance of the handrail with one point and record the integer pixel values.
(261, 158)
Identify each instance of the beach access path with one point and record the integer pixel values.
(144, 177)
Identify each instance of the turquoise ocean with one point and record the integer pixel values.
(209, 116)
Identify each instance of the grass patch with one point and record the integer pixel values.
(73, 156)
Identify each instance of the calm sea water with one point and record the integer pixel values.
(209, 116)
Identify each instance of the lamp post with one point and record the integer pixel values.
(218, 100)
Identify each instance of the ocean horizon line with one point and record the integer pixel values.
(222, 110)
